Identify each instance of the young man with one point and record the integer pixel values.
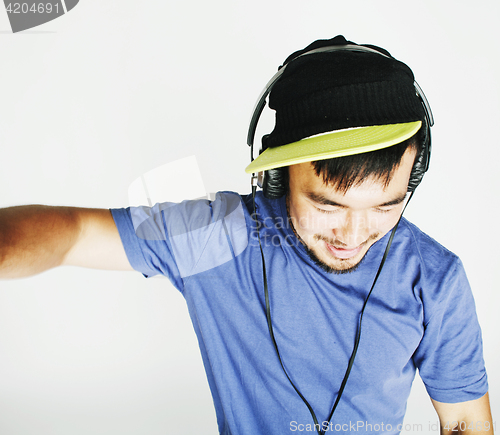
(280, 284)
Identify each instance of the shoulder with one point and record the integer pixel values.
(438, 273)
(431, 255)
(198, 235)
(423, 241)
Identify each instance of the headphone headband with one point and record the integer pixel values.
(261, 101)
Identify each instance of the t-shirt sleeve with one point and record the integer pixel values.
(178, 240)
(450, 354)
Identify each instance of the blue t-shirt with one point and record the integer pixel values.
(421, 315)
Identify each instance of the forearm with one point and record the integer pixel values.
(465, 427)
(35, 238)
(465, 417)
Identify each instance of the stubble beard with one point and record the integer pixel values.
(347, 267)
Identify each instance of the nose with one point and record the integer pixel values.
(353, 230)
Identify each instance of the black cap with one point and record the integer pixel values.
(327, 91)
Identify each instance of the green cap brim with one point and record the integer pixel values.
(335, 144)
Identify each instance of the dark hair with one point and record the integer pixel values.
(346, 172)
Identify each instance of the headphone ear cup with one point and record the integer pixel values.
(422, 160)
(275, 183)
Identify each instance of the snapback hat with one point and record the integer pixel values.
(336, 103)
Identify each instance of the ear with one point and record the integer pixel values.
(421, 160)
(275, 182)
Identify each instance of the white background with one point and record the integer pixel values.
(92, 100)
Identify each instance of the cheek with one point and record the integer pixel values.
(379, 220)
(383, 222)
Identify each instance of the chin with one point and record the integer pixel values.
(337, 266)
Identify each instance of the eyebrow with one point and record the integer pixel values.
(320, 199)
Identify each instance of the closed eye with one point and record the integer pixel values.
(383, 209)
(330, 211)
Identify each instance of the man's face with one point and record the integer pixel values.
(338, 228)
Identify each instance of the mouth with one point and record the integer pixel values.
(343, 253)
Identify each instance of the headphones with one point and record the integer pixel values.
(274, 181)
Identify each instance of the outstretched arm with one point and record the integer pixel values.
(35, 238)
(468, 417)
